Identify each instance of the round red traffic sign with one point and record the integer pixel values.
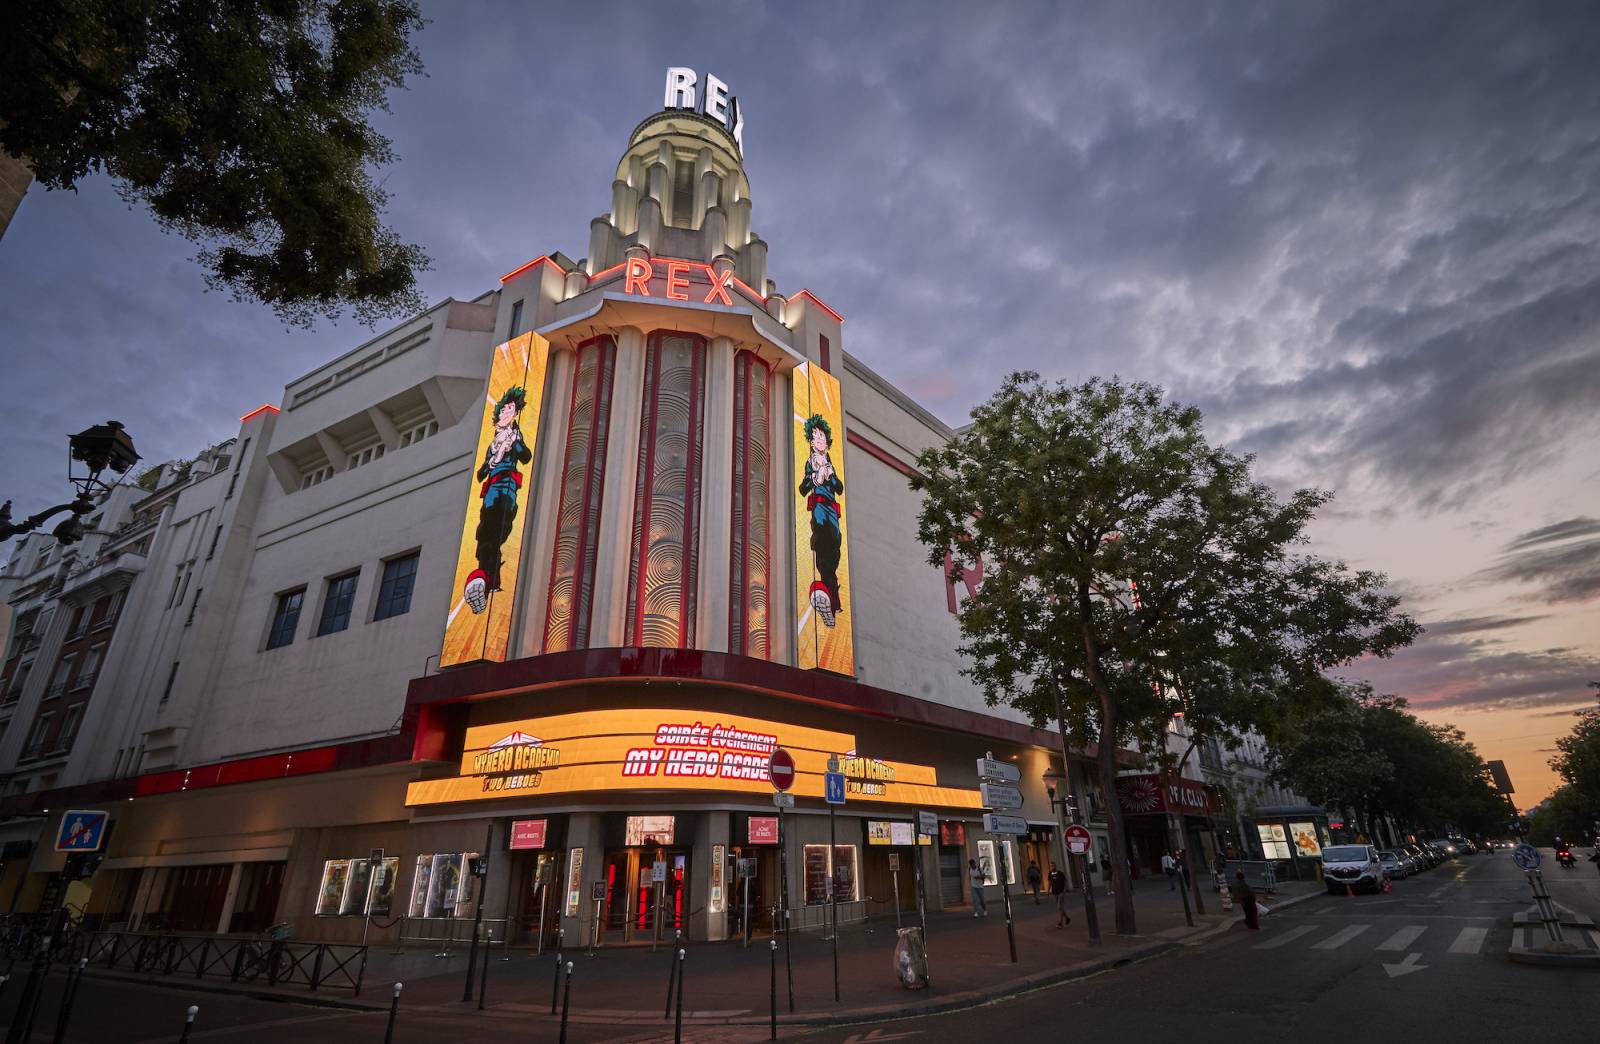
(780, 766)
(1077, 839)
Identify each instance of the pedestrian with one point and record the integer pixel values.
(1245, 896)
(1058, 891)
(1183, 867)
(1169, 866)
(1033, 879)
(979, 907)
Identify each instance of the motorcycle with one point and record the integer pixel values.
(1565, 857)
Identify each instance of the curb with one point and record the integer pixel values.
(308, 999)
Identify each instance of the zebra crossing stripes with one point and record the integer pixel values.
(1340, 937)
(1287, 937)
(1403, 938)
(1470, 940)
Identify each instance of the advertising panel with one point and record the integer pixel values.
(629, 748)
(1274, 840)
(1305, 839)
(763, 830)
(485, 584)
(527, 834)
(822, 558)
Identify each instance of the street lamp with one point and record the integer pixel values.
(96, 449)
(1055, 781)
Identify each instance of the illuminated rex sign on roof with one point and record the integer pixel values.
(684, 91)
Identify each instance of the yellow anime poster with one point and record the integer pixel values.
(822, 559)
(485, 585)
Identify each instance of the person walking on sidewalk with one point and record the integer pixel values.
(1170, 868)
(1058, 891)
(1033, 879)
(1245, 896)
(979, 907)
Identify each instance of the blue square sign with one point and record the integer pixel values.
(82, 831)
(833, 787)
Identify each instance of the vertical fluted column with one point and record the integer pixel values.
(539, 533)
(624, 207)
(753, 260)
(780, 581)
(650, 222)
(615, 539)
(713, 234)
(738, 223)
(602, 240)
(716, 504)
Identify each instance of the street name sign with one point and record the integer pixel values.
(998, 824)
(782, 800)
(928, 824)
(780, 769)
(1001, 796)
(1077, 838)
(1526, 857)
(999, 771)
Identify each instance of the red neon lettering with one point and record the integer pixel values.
(636, 280)
(719, 286)
(677, 280)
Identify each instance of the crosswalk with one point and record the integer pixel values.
(1465, 941)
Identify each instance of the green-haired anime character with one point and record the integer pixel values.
(501, 481)
(821, 487)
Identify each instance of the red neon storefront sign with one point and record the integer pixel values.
(638, 273)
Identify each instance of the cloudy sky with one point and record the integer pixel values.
(1364, 237)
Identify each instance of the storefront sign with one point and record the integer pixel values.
(822, 557)
(763, 830)
(680, 279)
(575, 881)
(1149, 793)
(527, 834)
(626, 749)
(490, 553)
(712, 98)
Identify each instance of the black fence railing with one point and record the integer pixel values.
(273, 962)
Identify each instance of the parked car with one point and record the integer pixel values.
(1352, 866)
(1428, 856)
(1394, 864)
(1464, 845)
(1444, 848)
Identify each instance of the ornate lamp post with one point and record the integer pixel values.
(95, 449)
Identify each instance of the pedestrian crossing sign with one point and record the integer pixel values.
(81, 831)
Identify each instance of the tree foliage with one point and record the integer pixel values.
(1125, 560)
(243, 126)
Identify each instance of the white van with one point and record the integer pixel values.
(1352, 866)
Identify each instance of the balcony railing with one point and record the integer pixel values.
(85, 681)
(54, 689)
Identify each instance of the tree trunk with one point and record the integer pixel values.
(1122, 881)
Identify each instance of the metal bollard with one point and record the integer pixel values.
(672, 975)
(188, 1021)
(774, 1033)
(483, 980)
(565, 998)
(555, 986)
(69, 995)
(394, 1010)
(677, 1022)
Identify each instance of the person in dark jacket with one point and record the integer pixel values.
(1058, 891)
(1245, 896)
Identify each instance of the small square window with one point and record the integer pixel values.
(336, 604)
(285, 618)
(394, 593)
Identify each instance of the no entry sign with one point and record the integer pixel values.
(780, 767)
(1077, 839)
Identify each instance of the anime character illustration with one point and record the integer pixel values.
(821, 487)
(501, 482)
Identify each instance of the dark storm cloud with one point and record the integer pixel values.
(1555, 532)
(1478, 625)
(1566, 572)
(1442, 673)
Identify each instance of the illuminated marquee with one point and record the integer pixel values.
(490, 554)
(715, 100)
(627, 749)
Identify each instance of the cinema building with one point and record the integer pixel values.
(546, 574)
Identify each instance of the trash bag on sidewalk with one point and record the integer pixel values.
(911, 959)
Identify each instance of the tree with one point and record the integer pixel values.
(242, 126)
(1578, 760)
(1121, 553)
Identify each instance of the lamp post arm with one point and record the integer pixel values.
(9, 529)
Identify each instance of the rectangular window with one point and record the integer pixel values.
(516, 319)
(285, 618)
(194, 605)
(41, 727)
(242, 451)
(818, 867)
(80, 617)
(69, 726)
(336, 604)
(216, 535)
(58, 680)
(442, 887)
(824, 353)
(172, 676)
(394, 592)
(90, 668)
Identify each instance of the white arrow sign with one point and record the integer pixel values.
(1405, 967)
(999, 796)
(999, 771)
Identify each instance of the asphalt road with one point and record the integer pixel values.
(1425, 963)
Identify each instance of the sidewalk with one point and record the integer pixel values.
(969, 963)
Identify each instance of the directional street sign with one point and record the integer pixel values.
(996, 824)
(1526, 857)
(1077, 837)
(1001, 796)
(833, 787)
(780, 769)
(81, 831)
(782, 800)
(999, 771)
(927, 824)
